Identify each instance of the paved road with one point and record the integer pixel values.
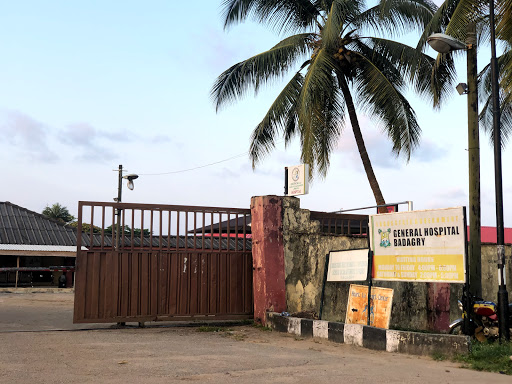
(30, 352)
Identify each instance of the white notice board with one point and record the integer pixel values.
(351, 265)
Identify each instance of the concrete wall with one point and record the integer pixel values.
(289, 254)
(490, 271)
(305, 250)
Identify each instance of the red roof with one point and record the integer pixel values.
(489, 235)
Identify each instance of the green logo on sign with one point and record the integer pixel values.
(384, 238)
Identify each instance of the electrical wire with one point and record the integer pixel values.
(194, 168)
(201, 166)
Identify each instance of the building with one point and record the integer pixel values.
(34, 249)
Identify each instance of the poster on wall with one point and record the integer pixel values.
(381, 301)
(420, 246)
(351, 265)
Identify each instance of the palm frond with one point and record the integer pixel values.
(392, 17)
(431, 78)
(281, 15)
(465, 12)
(504, 18)
(233, 83)
(335, 20)
(276, 120)
(319, 124)
(452, 18)
(318, 78)
(485, 96)
(378, 92)
(327, 125)
(486, 119)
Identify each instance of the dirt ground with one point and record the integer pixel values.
(39, 344)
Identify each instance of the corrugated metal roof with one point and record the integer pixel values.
(21, 226)
(489, 235)
(44, 248)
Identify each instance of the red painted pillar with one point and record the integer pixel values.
(438, 302)
(267, 255)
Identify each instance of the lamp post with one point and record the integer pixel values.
(444, 44)
(500, 230)
(117, 199)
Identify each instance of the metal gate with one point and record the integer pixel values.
(162, 263)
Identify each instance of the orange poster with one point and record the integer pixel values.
(381, 301)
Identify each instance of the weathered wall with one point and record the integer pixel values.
(490, 271)
(267, 255)
(305, 250)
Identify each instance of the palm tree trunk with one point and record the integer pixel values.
(374, 184)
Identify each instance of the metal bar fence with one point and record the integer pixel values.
(186, 263)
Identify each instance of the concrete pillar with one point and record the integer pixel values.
(438, 306)
(267, 255)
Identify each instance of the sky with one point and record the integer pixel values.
(88, 85)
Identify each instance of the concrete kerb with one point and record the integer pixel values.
(413, 343)
(37, 290)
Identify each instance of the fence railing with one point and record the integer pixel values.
(128, 227)
(341, 224)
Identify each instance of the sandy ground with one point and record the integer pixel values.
(39, 344)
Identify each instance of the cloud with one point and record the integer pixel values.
(160, 139)
(100, 146)
(447, 198)
(428, 151)
(81, 134)
(27, 135)
(380, 148)
(221, 53)
(88, 138)
(119, 136)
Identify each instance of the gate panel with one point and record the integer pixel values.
(168, 271)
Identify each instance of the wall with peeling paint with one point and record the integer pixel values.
(305, 249)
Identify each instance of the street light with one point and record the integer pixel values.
(444, 44)
(130, 185)
(130, 179)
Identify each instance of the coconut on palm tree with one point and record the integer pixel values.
(340, 64)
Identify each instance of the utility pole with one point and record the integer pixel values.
(475, 242)
(118, 200)
(500, 229)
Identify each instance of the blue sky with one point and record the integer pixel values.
(90, 85)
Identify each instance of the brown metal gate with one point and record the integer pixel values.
(168, 263)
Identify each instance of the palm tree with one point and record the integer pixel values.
(452, 18)
(59, 213)
(339, 67)
(504, 34)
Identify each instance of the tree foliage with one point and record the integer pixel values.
(452, 18)
(128, 231)
(58, 212)
(86, 228)
(340, 62)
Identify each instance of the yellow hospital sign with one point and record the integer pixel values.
(421, 246)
